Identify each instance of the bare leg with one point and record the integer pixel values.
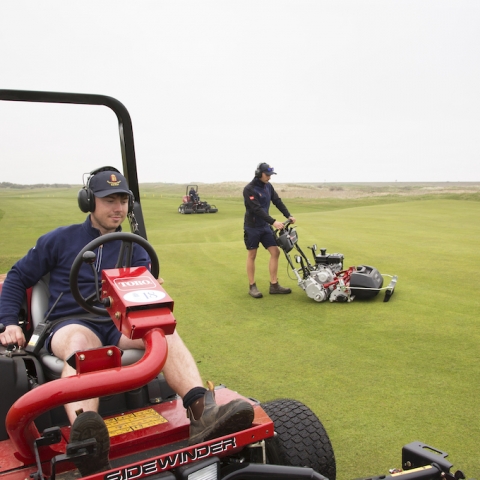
(251, 256)
(182, 375)
(66, 341)
(179, 359)
(273, 263)
(72, 338)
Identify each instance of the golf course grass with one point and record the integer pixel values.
(378, 375)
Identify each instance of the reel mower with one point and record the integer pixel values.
(327, 279)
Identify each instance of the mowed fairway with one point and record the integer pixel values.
(378, 375)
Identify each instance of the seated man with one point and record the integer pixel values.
(108, 200)
(193, 196)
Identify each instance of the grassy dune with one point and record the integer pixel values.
(379, 375)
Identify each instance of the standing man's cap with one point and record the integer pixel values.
(266, 168)
(107, 183)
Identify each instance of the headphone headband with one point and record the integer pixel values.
(263, 167)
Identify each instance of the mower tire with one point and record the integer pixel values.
(181, 209)
(300, 439)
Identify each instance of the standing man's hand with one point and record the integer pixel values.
(292, 219)
(278, 225)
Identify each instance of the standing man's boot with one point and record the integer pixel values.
(254, 292)
(277, 288)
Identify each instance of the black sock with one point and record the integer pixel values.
(193, 395)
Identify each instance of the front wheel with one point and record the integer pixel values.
(300, 439)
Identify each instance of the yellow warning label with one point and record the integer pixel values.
(134, 421)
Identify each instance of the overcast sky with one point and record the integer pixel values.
(324, 91)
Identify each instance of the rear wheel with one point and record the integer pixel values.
(300, 440)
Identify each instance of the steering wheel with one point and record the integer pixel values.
(124, 260)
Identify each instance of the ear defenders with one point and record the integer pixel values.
(86, 197)
(259, 170)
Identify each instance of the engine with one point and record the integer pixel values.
(323, 274)
(333, 261)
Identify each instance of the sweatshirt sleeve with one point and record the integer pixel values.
(23, 275)
(277, 201)
(141, 257)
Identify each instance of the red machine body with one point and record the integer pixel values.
(141, 308)
(137, 301)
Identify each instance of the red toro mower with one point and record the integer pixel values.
(147, 423)
(193, 204)
(327, 279)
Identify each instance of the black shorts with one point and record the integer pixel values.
(254, 236)
(104, 329)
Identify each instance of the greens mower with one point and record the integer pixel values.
(193, 204)
(327, 279)
(147, 424)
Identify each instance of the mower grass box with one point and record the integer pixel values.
(368, 280)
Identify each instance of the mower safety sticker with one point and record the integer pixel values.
(142, 296)
(134, 421)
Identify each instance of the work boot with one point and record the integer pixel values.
(216, 421)
(86, 426)
(277, 288)
(254, 292)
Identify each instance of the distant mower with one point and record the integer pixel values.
(193, 204)
(327, 279)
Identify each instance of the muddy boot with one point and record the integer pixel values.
(254, 292)
(277, 288)
(209, 420)
(91, 425)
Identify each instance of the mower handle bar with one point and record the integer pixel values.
(286, 224)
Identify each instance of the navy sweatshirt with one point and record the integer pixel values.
(54, 253)
(257, 197)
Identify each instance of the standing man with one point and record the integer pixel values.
(257, 196)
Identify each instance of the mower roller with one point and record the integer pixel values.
(327, 279)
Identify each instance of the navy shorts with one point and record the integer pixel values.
(253, 237)
(104, 329)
